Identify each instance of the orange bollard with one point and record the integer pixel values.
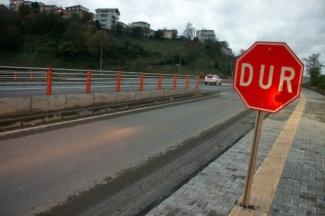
(187, 81)
(175, 82)
(49, 82)
(160, 82)
(88, 81)
(197, 82)
(141, 82)
(118, 82)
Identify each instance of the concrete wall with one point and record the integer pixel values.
(38, 104)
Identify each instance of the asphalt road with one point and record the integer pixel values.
(42, 170)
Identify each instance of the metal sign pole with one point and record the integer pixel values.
(251, 166)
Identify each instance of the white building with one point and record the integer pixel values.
(53, 9)
(107, 17)
(151, 33)
(30, 3)
(169, 33)
(77, 9)
(205, 35)
(140, 24)
(225, 48)
(14, 4)
(122, 24)
(226, 51)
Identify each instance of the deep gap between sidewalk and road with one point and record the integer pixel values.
(138, 189)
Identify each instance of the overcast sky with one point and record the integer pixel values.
(300, 23)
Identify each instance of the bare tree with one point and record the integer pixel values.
(313, 67)
(241, 52)
(189, 31)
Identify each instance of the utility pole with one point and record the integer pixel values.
(180, 64)
(231, 71)
(101, 56)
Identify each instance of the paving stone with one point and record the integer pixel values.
(306, 150)
(220, 184)
(301, 190)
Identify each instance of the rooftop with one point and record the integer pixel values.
(108, 10)
(80, 6)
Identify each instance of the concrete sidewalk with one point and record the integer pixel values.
(300, 189)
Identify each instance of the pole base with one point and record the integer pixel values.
(246, 206)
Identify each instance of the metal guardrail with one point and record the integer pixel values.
(33, 80)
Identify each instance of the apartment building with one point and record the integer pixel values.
(77, 9)
(15, 4)
(169, 33)
(206, 35)
(107, 17)
(54, 9)
(140, 24)
(30, 3)
(225, 48)
(123, 25)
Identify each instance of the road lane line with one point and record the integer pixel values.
(268, 175)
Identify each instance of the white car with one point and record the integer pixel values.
(212, 79)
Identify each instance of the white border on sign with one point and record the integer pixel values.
(291, 52)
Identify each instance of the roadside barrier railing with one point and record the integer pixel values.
(58, 80)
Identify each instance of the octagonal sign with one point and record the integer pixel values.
(268, 76)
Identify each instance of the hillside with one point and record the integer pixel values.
(31, 38)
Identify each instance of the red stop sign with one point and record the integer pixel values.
(268, 76)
